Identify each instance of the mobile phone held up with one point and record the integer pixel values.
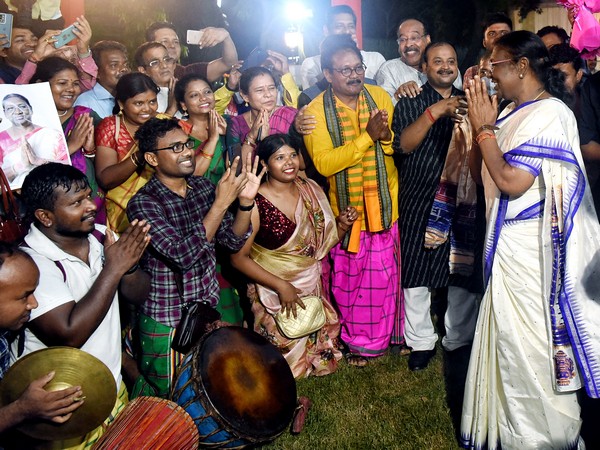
(65, 36)
(6, 21)
(193, 37)
(234, 151)
(254, 59)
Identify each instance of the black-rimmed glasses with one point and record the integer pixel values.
(178, 148)
(347, 71)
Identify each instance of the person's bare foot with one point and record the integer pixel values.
(304, 405)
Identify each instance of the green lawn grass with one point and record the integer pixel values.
(381, 406)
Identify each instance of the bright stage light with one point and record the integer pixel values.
(297, 11)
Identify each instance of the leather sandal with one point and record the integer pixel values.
(356, 360)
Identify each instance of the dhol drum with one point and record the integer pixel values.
(237, 387)
(150, 423)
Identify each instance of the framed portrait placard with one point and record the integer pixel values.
(30, 132)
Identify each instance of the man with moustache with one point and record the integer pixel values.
(351, 146)
(495, 26)
(402, 76)
(188, 217)
(112, 61)
(340, 20)
(81, 279)
(153, 59)
(422, 131)
(19, 277)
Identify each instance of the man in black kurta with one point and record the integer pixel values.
(423, 128)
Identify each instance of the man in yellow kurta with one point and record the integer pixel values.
(351, 146)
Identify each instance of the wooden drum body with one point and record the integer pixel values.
(150, 423)
(237, 387)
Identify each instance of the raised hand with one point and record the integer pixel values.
(278, 61)
(483, 109)
(229, 186)
(378, 127)
(171, 101)
(80, 135)
(123, 254)
(83, 31)
(45, 45)
(453, 107)
(216, 125)
(233, 81)
(253, 176)
(212, 36)
(261, 123)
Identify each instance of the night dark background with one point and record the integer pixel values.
(262, 23)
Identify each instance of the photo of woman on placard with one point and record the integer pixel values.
(25, 145)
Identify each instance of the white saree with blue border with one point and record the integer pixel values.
(538, 334)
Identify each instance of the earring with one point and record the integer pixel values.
(186, 115)
(521, 76)
(245, 103)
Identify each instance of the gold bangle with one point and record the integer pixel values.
(485, 127)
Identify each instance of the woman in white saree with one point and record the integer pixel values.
(538, 334)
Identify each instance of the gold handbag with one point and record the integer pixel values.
(307, 321)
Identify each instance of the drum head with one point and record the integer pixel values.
(248, 382)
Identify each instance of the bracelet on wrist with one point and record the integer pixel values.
(33, 59)
(483, 136)
(485, 127)
(134, 159)
(85, 55)
(132, 269)
(430, 115)
(249, 141)
(207, 155)
(246, 208)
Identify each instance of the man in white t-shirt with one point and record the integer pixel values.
(403, 76)
(79, 276)
(340, 20)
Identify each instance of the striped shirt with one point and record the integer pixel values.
(419, 173)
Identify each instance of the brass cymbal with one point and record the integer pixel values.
(73, 367)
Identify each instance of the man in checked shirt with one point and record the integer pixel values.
(188, 216)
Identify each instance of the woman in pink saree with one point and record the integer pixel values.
(293, 229)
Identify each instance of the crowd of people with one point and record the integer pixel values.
(384, 188)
